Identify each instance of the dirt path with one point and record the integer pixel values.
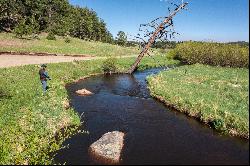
(7, 60)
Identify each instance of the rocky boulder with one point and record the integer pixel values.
(83, 92)
(107, 150)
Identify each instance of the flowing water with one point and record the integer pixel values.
(155, 134)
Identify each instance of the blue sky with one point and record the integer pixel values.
(216, 20)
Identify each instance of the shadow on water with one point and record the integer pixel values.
(154, 133)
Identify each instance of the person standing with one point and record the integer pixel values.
(43, 77)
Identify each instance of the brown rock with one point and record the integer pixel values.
(83, 92)
(107, 150)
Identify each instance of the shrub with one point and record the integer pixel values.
(109, 65)
(171, 54)
(215, 54)
(20, 29)
(51, 36)
(218, 124)
(26, 27)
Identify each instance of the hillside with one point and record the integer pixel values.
(8, 42)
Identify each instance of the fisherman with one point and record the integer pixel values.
(43, 77)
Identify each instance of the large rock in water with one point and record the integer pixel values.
(83, 92)
(107, 150)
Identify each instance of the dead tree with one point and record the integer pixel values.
(161, 30)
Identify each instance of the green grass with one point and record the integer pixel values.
(215, 95)
(8, 42)
(29, 121)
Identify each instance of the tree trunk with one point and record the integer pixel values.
(153, 37)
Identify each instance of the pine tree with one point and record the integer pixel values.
(121, 38)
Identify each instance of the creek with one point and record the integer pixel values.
(154, 133)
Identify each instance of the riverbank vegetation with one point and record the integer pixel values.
(215, 54)
(210, 91)
(29, 121)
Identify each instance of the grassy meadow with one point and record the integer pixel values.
(215, 95)
(31, 124)
(8, 42)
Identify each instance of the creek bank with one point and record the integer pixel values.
(216, 96)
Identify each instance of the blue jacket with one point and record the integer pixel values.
(43, 75)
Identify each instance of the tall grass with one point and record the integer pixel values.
(215, 54)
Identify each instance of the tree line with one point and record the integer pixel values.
(58, 17)
(26, 17)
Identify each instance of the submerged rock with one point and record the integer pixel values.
(107, 150)
(83, 92)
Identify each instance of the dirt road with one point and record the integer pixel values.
(20, 60)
